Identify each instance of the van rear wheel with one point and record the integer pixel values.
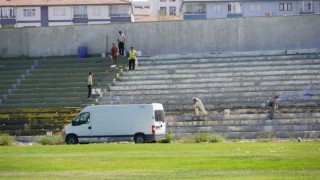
(139, 138)
(72, 139)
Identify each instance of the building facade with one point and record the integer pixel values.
(165, 7)
(36, 13)
(202, 9)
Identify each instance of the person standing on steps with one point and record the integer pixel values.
(132, 58)
(121, 42)
(197, 104)
(90, 82)
(114, 55)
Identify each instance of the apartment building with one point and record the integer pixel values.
(165, 7)
(206, 9)
(36, 13)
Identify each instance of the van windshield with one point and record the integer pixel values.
(159, 114)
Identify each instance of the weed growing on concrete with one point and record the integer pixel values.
(50, 140)
(209, 138)
(6, 140)
(169, 138)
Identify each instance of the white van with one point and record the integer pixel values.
(110, 123)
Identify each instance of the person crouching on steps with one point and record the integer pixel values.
(273, 106)
(197, 104)
(132, 58)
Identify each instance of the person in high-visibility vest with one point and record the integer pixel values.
(132, 58)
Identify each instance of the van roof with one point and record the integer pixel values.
(157, 105)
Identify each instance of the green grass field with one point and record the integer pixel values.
(226, 160)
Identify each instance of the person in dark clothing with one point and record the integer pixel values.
(273, 105)
(121, 42)
(90, 82)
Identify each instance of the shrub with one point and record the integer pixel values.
(169, 138)
(216, 138)
(6, 140)
(50, 140)
(201, 138)
(186, 138)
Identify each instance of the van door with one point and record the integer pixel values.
(82, 127)
(159, 122)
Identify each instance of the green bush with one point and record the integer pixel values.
(216, 138)
(186, 138)
(50, 140)
(201, 138)
(6, 140)
(169, 138)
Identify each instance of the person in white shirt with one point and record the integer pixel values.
(121, 42)
(197, 104)
(90, 81)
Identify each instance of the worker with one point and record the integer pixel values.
(197, 104)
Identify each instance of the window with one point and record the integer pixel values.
(97, 11)
(7, 13)
(306, 6)
(80, 11)
(163, 11)
(234, 8)
(82, 118)
(172, 0)
(172, 11)
(217, 8)
(59, 12)
(162, 0)
(159, 115)
(29, 12)
(199, 8)
(285, 6)
(120, 10)
(255, 7)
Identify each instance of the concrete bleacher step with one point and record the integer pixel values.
(262, 95)
(15, 96)
(217, 85)
(122, 82)
(227, 67)
(223, 74)
(266, 89)
(182, 106)
(40, 105)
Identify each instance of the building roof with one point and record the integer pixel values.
(158, 18)
(197, 1)
(59, 2)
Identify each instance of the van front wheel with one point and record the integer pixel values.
(72, 139)
(139, 138)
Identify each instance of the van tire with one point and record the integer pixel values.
(139, 138)
(72, 139)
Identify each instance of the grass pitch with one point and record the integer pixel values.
(227, 160)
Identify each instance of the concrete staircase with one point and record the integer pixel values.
(240, 82)
(43, 95)
(57, 82)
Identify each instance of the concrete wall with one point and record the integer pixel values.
(202, 36)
